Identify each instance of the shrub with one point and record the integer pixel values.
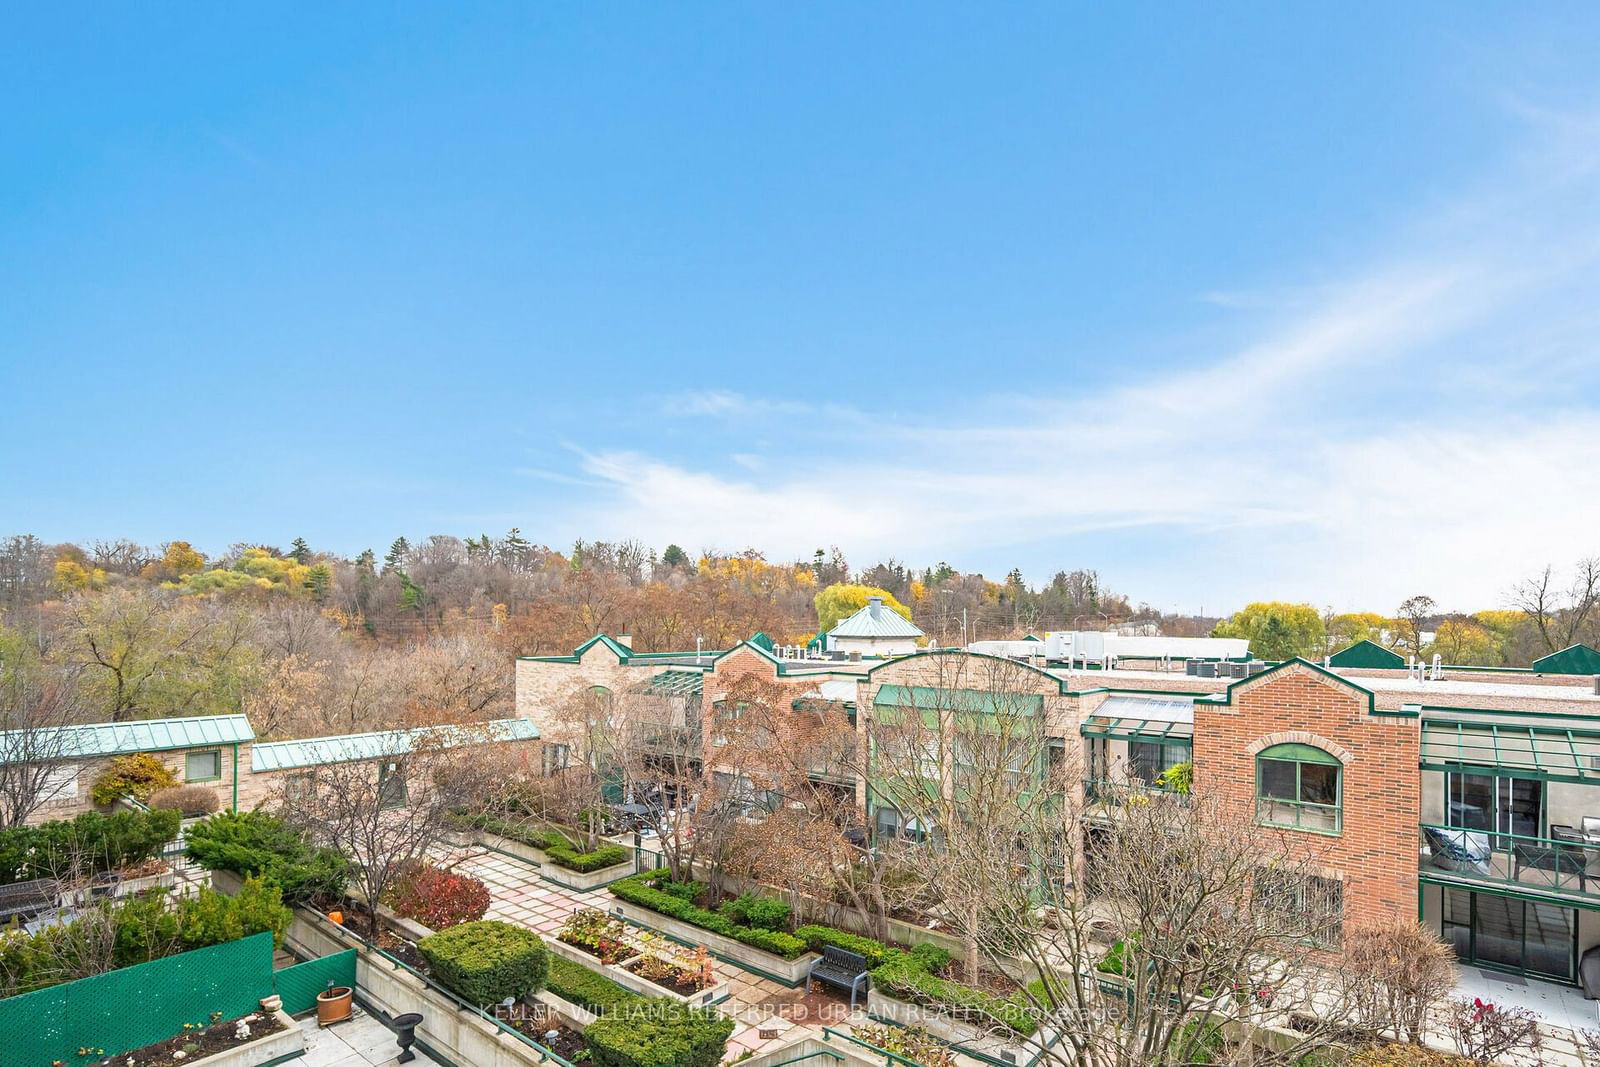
(560, 848)
(658, 1033)
(904, 976)
(1404, 1056)
(911, 1042)
(135, 776)
(928, 956)
(642, 890)
(486, 962)
(84, 845)
(438, 899)
(254, 842)
(763, 913)
(187, 800)
(577, 984)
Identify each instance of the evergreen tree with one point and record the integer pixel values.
(675, 557)
(397, 554)
(319, 581)
(299, 551)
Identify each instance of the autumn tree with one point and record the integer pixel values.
(38, 700)
(1411, 617)
(1277, 631)
(1562, 615)
(839, 602)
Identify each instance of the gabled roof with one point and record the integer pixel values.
(876, 620)
(121, 738)
(761, 640)
(348, 748)
(1574, 659)
(1366, 654)
(1338, 680)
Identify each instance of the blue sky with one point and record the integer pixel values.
(1227, 301)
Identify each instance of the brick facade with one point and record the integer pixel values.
(1375, 853)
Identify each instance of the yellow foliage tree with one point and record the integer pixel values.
(838, 602)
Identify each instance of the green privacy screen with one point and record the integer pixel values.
(136, 1006)
(300, 984)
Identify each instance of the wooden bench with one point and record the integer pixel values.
(841, 969)
(27, 899)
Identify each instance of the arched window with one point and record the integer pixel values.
(1301, 787)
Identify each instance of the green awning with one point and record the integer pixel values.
(1554, 753)
(675, 684)
(1144, 731)
(970, 701)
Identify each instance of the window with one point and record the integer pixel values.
(203, 766)
(1306, 907)
(1148, 762)
(1299, 786)
(555, 758)
(391, 785)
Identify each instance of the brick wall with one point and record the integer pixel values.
(1376, 852)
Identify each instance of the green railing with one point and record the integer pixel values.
(123, 1010)
(808, 1056)
(1550, 864)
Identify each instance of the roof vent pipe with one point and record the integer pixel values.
(874, 606)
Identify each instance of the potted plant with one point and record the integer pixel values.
(333, 1006)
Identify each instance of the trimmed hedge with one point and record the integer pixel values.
(577, 984)
(485, 962)
(644, 890)
(87, 844)
(552, 843)
(254, 842)
(816, 937)
(658, 1033)
(763, 913)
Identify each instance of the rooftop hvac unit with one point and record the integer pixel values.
(1597, 685)
(1208, 670)
(1255, 667)
(1191, 667)
(1238, 670)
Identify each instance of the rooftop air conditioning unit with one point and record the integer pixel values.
(1208, 670)
(1597, 685)
(1191, 667)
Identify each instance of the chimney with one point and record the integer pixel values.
(874, 606)
(626, 641)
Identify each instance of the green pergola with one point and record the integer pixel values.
(675, 684)
(1144, 731)
(1547, 751)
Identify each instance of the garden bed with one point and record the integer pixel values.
(946, 1022)
(637, 960)
(552, 870)
(267, 1038)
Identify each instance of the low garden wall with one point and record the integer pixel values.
(282, 1047)
(979, 1041)
(453, 1030)
(714, 994)
(789, 972)
(552, 871)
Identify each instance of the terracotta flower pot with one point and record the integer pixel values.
(334, 1005)
(336, 917)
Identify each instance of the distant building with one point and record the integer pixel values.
(875, 631)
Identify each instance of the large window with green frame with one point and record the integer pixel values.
(1300, 787)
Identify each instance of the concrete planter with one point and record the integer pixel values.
(789, 972)
(552, 871)
(226, 882)
(571, 1014)
(269, 1049)
(1004, 1045)
(713, 994)
(132, 886)
(455, 1033)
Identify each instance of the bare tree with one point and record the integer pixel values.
(1414, 613)
(388, 815)
(38, 700)
(1219, 926)
(1559, 615)
(1396, 972)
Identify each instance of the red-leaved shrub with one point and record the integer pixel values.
(439, 899)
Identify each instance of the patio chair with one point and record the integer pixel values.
(1457, 850)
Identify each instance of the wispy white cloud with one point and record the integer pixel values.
(1403, 429)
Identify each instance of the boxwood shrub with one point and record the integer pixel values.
(553, 843)
(905, 976)
(577, 984)
(254, 842)
(487, 961)
(643, 890)
(763, 913)
(84, 845)
(658, 1033)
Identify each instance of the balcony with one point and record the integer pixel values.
(1565, 865)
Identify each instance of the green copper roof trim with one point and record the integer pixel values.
(1344, 683)
(1367, 655)
(1574, 659)
(761, 640)
(1300, 754)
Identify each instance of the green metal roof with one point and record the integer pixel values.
(1368, 655)
(121, 738)
(675, 684)
(929, 698)
(876, 620)
(1574, 659)
(1152, 720)
(1555, 753)
(761, 640)
(348, 748)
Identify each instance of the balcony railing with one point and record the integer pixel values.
(1118, 790)
(1568, 864)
